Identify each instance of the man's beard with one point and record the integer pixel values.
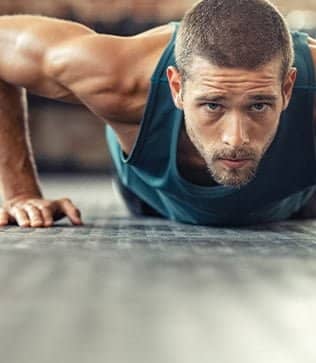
(236, 177)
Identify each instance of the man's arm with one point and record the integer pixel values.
(66, 61)
(33, 55)
(14, 135)
(23, 201)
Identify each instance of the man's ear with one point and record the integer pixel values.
(175, 84)
(287, 87)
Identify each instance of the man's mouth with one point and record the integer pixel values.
(234, 163)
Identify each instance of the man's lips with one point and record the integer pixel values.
(234, 163)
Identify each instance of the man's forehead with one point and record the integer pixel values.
(203, 70)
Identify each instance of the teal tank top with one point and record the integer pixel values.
(285, 179)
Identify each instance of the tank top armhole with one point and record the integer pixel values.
(156, 78)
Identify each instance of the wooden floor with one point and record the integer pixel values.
(151, 291)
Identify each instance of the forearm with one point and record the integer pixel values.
(18, 175)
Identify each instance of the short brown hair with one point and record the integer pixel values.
(234, 33)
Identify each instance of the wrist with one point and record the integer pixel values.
(24, 187)
(21, 195)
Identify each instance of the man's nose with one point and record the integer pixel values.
(234, 133)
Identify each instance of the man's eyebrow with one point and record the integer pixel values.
(210, 98)
(264, 97)
(219, 98)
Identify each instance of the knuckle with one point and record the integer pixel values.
(20, 216)
(21, 213)
(44, 204)
(28, 208)
(33, 212)
(20, 204)
(36, 212)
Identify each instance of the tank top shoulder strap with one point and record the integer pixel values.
(304, 63)
(166, 58)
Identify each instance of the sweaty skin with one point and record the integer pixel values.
(67, 61)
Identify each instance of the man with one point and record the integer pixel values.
(222, 134)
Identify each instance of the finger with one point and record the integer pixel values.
(46, 213)
(47, 216)
(35, 216)
(71, 211)
(21, 217)
(4, 217)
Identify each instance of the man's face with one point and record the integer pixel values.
(231, 115)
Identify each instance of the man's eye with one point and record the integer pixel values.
(213, 106)
(258, 107)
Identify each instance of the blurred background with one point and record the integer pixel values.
(68, 138)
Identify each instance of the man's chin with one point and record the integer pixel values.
(235, 183)
(233, 178)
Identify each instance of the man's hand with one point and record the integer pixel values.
(38, 212)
